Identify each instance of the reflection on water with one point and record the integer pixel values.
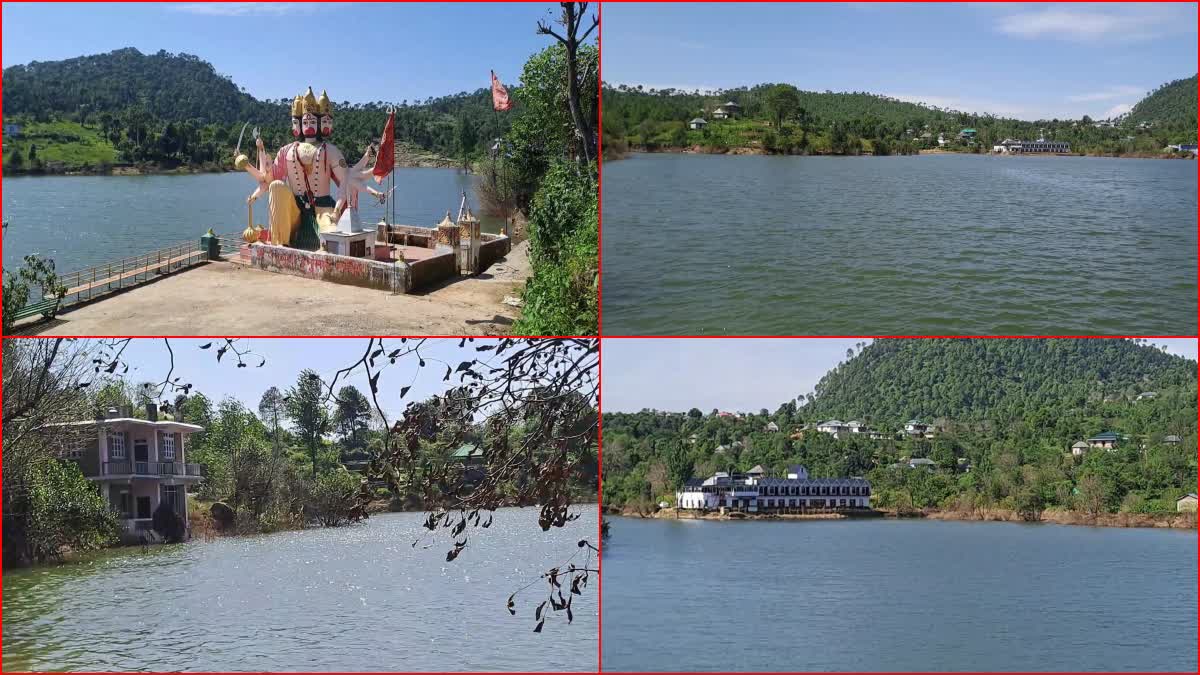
(354, 598)
(932, 245)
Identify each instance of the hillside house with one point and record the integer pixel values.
(915, 463)
(137, 465)
(1186, 503)
(967, 135)
(1172, 440)
(834, 428)
(918, 429)
(1080, 448)
(1147, 396)
(1106, 441)
(730, 110)
(698, 124)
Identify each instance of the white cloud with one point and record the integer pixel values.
(1108, 94)
(1117, 110)
(1117, 22)
(967, 105)
(245, 8)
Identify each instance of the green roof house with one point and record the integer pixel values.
(468, 453)
(1107, 440)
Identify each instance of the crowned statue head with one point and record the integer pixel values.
(312, 118)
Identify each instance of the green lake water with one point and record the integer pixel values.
(357, 598)
(923, 245)
(80, 221)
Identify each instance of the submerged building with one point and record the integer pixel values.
(754, 492)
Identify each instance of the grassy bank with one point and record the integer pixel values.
(58, 147)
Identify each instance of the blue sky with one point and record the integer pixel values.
(149, 360)
(1023, 60)
(374, 52)
(729, 373)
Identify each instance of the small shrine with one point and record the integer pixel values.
(312, 233)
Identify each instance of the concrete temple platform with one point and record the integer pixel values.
(226, 299)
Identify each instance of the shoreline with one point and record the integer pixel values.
(407, 157)
(759, 152)
(1178, 521)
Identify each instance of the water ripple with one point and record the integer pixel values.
(899, 245)
(357, 598)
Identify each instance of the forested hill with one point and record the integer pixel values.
(1173, 104)
(783, 119)
(893, 380)
(171, 87)
(635, 104)
(1006, 413)
(175, 110)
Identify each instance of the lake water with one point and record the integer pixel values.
(81, 221)
(876, 595)
(919, 245)
(354, 598)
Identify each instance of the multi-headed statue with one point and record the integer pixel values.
(297, 181)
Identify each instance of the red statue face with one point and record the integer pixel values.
(296, 127)
(308, 125)
(326, 126)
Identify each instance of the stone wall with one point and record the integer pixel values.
(436, 268)
(336, 268)
(493, 248)
(406, 235)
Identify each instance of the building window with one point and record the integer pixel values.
(171, 496)
(116, 446)
(75, 452)
(167, 448)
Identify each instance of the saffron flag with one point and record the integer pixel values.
(499, 94)
(387, 150)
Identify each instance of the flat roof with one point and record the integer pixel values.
(134, 420)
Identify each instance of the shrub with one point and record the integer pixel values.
(53, 509)
(332, 497)
(561, 297)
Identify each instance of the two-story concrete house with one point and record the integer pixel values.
(137, 464)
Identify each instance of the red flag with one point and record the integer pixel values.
(387, 153)
(499, 94)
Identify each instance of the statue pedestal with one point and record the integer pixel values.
(353, 244)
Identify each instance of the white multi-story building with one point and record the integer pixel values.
(1011, 147)
(757, 494)
(137, 464)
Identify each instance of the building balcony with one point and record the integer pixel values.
(152, 469)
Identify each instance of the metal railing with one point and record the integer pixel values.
(90, 282)
(128, 468)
